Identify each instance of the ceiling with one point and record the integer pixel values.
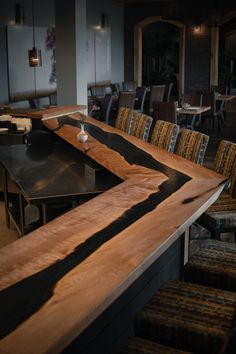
(125, 1)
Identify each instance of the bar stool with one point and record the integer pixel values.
(213, 265)
(142, 346)
(189, 316)
(221, 216)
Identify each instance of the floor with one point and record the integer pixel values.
(228, 132)
(6, 235)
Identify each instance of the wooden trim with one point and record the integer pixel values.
(138, 43)
(182, 60)
(214, 62)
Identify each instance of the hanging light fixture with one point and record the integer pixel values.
(35, 58)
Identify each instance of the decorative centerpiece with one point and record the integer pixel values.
(82, 135)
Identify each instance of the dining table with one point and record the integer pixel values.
(75, 284)
(192, 112)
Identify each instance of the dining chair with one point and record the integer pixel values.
(156, 94)
(165, 135)
(124, 119)
(194, 99)
(104, 112)
(167, 93)
(141, 92)
(140, 126)
(129, 85)
(165, 111)
(215, 113)
(126, 99)
(115, 89)
(98, 91)
(192, 145)
(193, 317)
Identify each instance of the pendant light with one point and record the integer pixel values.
(35, 58)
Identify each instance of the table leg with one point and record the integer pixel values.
(44, 213)
(191, 125)
(22, 217)
(186, 245)
(74, 204)
(6, 201)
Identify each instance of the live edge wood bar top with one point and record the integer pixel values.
(57, 280)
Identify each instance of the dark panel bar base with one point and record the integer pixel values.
(115, 326)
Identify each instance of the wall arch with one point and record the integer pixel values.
(138, 30)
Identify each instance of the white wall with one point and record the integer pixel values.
(114, 10)
(44, 16)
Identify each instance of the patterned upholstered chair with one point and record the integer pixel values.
(142, 346)
(189, 316)
(124, 119)
(221, 216)
(165, 135)
(140, 126)
(192, 145)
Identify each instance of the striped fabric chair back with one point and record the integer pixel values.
(124, 119)
(225, 164)
(165, 135)
(192, 145)
(140, 126)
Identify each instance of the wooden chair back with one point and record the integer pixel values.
(126, 99)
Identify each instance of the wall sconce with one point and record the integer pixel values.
(197, 28)
(34, 54)
(104, 21)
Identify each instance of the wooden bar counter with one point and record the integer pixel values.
(62, 279)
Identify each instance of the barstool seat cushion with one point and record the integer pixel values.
(221, 214)
(188, 316)
(141, 346)
(213, 265)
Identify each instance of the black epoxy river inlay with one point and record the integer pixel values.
(19, 301)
